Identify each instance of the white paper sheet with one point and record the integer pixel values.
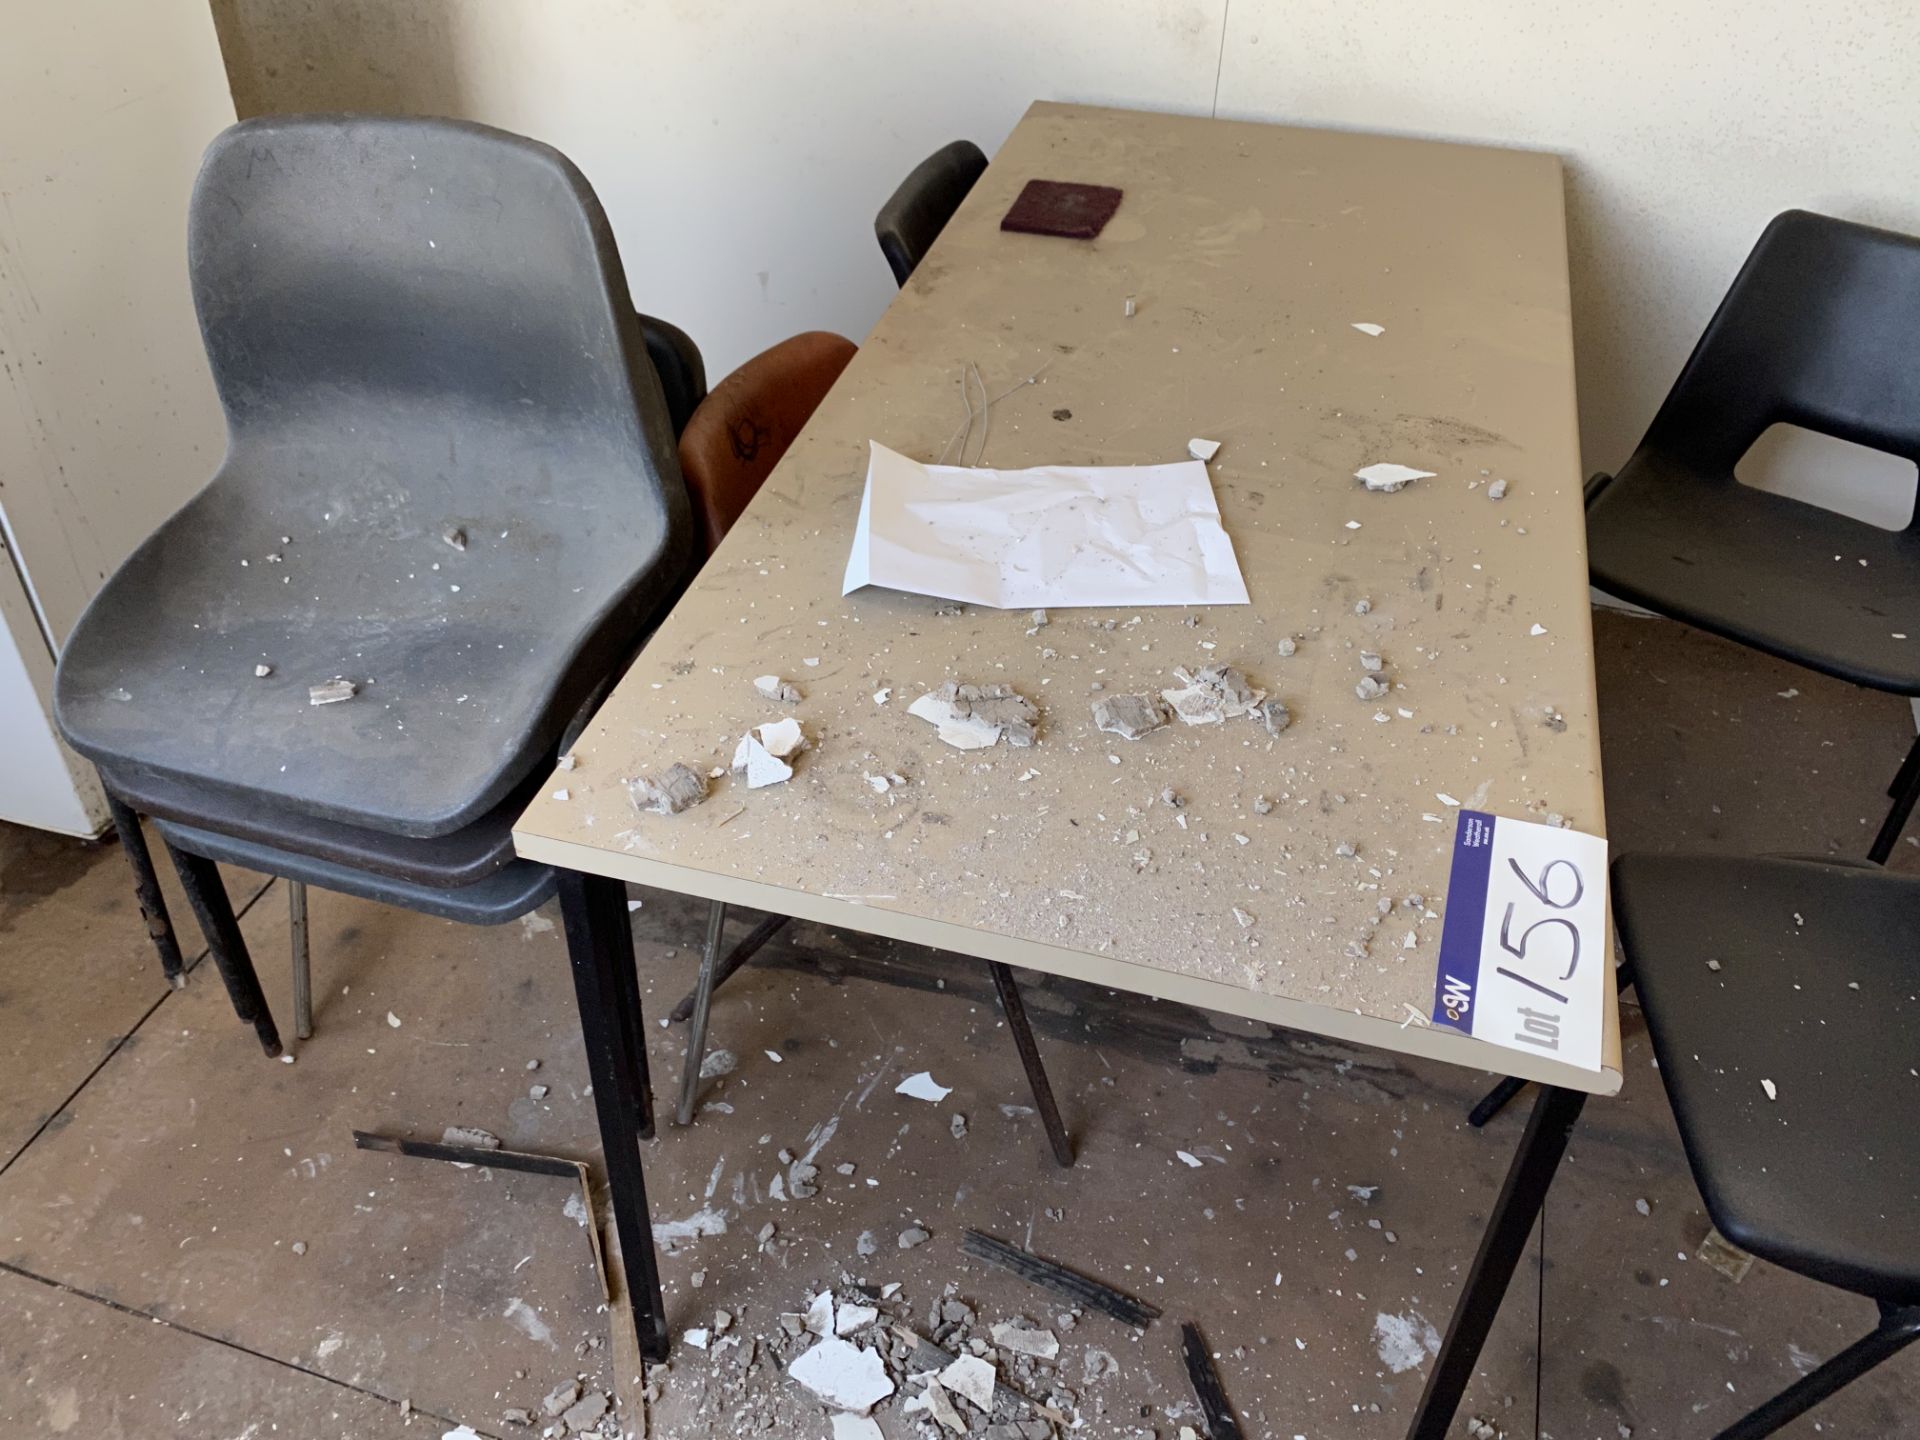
(1057, 535)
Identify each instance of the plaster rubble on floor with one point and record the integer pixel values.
(845, 1375)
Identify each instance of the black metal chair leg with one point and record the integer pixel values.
(1548, 1129)
(1496, 1099)
(1015, 1009)
(702, 1006)
(600, 948)
(1909, 767)
(302, 954)
(732, 961)
(1903, 802)
(207, 894)
(146, 889)
(1898, 1329)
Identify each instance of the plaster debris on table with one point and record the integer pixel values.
(1203, 450)
(455, 536)
(568, 761)
(1367, 327)
(262, 671)
(1497, 490)
(973, 717)
(1287, 645)
(774, 688)
(1129, 716)
(1388, 478)
(1371, 687)
(1211, 695)
(1363, 607)
(673, 790)
(763, 752)
(471, 1136)
(332, 692)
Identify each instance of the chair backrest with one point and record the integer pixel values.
(395, 265)
(1820, 329)
(918, 211)
(682, 371)
(742, 429)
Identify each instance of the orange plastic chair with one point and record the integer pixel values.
(743, 427)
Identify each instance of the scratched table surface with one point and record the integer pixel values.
(1251, 253)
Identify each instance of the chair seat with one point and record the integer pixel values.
(441, 862)
(1771, 572)
(1802, 976)
(322, 559)
(504, 895)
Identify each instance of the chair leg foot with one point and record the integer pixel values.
(702, 1006)
(1015, 1009)
(1495, 1100)
(207, 894)
(146, 889)
(600, 951)
(302, 960)
(1898, 1329)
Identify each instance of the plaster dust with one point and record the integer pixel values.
(1077, 867)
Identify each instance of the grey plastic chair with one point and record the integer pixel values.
(451, 481)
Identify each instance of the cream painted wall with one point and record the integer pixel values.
(743, 147)
(107, 414)
(1685, 128)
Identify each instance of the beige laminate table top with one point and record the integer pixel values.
(1251, 251)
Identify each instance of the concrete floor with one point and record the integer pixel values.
(156, 1173)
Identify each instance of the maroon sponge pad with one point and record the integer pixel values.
(1062, 207)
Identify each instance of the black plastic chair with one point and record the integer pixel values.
(1821, 329)
(919, 210)
(678, 363)
(1779, 996)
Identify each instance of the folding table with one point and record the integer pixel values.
(1252, 255)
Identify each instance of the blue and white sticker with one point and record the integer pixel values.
(1524, 959)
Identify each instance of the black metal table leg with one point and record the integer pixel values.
(702, 1006)
(146, 889)
(1549, 1128)
(626, 976)
(207, 894)
(600, 948)
(1015, 1010)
